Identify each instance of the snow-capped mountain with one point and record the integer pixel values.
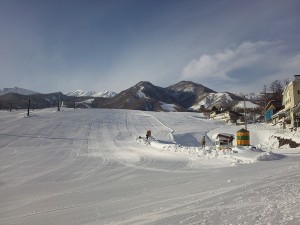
(81, 93)
(17, 90)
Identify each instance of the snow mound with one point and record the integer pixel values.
(142, 140)
(252, 154)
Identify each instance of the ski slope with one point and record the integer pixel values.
(89, 166)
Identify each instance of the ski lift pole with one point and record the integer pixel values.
(28, 107)
(58, 103)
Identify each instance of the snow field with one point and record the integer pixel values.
(90, 167)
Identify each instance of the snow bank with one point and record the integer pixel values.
(252, 154)
(236, 155)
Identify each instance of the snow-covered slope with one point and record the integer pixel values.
(222, 99)
(214, 99)
(17, 90)
(251, 96)
(81, 93)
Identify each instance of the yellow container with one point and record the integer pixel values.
(243, 137)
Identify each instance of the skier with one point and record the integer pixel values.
(203, 142)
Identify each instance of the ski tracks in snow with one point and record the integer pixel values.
(82, 167)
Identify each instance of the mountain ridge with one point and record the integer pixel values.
(17, 90)
(182, 96)
(82, 93)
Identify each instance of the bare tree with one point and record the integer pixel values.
(276, 89)
(264, 98)
(286, 81)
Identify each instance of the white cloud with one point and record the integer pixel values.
(222, 64)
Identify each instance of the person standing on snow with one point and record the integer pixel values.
(148, 134)
(231, 140)
(203, 142)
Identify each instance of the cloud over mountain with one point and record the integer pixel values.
(248, 61)
(221, 64)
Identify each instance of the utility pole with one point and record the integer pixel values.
(245, 113)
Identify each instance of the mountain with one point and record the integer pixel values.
(194, 96)
(188, 93)
(81, 93)
(17, 90)
(142, 96)
(219, 100)
(181, 96)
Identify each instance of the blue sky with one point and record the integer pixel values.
(226, 45)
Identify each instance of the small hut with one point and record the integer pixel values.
(223, 140)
